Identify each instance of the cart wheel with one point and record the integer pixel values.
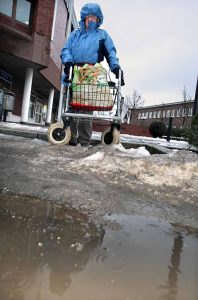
(57, 136)
(108, 137)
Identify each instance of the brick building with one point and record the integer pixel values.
(32, 34)
(181, 113)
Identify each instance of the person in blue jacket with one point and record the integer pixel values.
(88, 45)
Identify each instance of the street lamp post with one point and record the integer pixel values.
(195, 108)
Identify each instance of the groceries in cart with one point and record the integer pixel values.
(90, 89)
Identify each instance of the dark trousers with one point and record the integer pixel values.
(81, 129)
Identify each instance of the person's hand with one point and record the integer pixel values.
(122, 78)
(67, 67)
(116, 72)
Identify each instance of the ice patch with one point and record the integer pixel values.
(41, 142)
(139, 152)
(96, 156)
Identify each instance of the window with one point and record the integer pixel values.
(6, 7)
(178, 112)
(159, 114)
(38, 112)
(31, 112)
(23, 9)
(144, 115)
(184, 112)
(173, 113)
(168, 113)
(150, 114)
(139, 116)
(164, 114)
(17, 13)
(154, 115)
(190, 111)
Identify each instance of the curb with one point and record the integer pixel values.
(25, 134)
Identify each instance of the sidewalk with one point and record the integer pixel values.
(40, 132)
(27, 131)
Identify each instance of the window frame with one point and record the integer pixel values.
(12, 22)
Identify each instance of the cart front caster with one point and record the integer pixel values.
(110, 137)
(57, 135)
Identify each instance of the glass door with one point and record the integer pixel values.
(38, 112)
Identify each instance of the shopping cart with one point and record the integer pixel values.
(98, 102)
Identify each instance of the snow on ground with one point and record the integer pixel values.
(124, 138)
(22, 127)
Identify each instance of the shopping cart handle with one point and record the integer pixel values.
(111, 83)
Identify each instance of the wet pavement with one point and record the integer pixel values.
(96, 223)
(50, 251)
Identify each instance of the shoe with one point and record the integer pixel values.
(73, 143)
(88, 146)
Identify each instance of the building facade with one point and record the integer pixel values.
(180, 112)
(32, 34)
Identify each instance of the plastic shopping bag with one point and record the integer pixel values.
(90, 90)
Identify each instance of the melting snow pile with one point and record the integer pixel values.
(127, 166)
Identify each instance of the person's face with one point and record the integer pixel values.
(90, 19)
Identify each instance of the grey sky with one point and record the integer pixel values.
(157, 45)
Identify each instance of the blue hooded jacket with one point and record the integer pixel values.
(92, 45)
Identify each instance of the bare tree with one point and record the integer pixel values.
(130, 105)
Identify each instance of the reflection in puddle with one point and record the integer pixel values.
(173, 267)
(50, 252)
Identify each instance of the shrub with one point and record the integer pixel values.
(184, 133)
(188, 134)
(157, 129)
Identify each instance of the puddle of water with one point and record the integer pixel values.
(50, 252)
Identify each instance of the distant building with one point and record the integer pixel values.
(32, 34)
(181, 113)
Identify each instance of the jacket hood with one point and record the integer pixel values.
(91, 9)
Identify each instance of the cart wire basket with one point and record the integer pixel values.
(92, 97)
(101, 102)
